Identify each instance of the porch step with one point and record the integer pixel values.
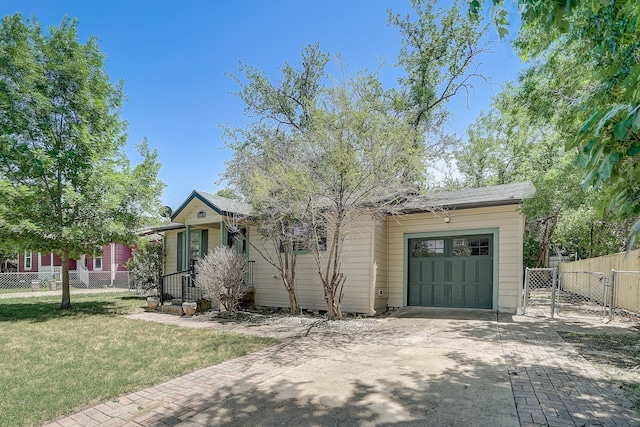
(172, 309)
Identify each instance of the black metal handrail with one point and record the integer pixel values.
(182, 284)
(172, 285)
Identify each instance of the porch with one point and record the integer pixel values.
(182, 285)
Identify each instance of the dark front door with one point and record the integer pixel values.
(451, 272)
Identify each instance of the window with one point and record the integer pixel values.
(97, 263)
(471, 246)
(427, 248)
(28, 259)
(302, 239)
(237, 240)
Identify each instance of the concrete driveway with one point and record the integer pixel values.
(419, 367)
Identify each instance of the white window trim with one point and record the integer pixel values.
(30, 257)
(101, 263)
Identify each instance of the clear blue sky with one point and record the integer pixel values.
(173, 56)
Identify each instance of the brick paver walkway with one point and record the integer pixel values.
(552, 384)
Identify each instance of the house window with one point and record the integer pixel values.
(28, 258)
(302, 238)
(97, 263)
(237, 240)
(194, 245)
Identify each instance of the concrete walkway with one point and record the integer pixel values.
(418, 367)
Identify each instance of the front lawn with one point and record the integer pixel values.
(53, 362)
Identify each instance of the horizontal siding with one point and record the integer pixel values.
(356, 265)
(380, 259)
(123, 254)
(170, 251)
(505, 218)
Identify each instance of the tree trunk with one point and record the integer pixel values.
(66, 295)
(331, 314)
(293, 302)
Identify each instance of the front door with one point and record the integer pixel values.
(452, 271)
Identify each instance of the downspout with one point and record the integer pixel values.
(374, 268)
(386, 231)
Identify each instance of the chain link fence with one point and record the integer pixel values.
(583, 293)
(26, 282)
(539, 292)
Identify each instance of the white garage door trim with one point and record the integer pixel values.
(452, 233)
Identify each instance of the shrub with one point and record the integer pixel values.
(221, 276)
(145, 267)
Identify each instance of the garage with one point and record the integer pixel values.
(451, 271)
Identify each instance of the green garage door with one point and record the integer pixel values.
(451, 272)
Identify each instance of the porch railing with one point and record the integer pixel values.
(182, 284)
(172, 285)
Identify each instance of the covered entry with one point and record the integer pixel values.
(453, 271)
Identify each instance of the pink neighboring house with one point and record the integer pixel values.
(114, 257)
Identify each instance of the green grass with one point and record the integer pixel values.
(53, 362)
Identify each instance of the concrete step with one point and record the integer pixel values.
(172, 309)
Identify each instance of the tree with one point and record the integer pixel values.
(363, 159)
(328, 151)
(145, 266)
(67, 185)
(598, 43)
(267, 166)
(439, 53)
(513, 142)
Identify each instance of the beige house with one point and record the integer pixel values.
(468, 254)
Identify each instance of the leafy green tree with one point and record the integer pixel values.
(363, 159)
(228, 193)
(66, 183)
(268, 164)
(598, 44)
(439, 54)
(513, 143)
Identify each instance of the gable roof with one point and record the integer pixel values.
(221, 205)
(497, 195)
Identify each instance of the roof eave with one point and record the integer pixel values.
(470, 205)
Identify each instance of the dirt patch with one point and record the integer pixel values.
(617, 356)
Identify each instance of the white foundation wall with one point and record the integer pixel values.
(506, 219)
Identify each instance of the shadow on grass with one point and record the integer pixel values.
(44, 309)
